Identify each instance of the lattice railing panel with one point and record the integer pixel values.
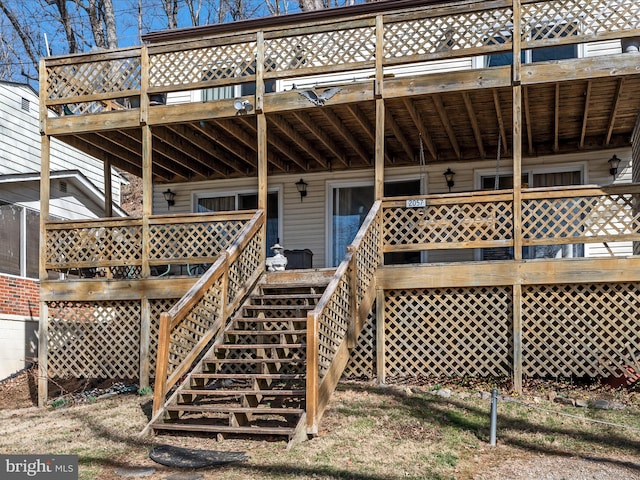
(450, 223)
(156, 308)
(193, 327)
(333, 324)
(448, 332)
(93, 78)
(457, 31)
(191, 240)
(97, 245)
(340, 46)
(228, 63)
(94, 340)
(580, 330)
(362, 360)
(588, 18)
(248, 262)
(585, 217)
(368, 258)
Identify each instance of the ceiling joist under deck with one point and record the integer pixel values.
(558, 117)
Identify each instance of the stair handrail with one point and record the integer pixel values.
(210, 295)
(349, 294)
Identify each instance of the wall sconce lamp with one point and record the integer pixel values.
(448, 175)
(302, 188)
(614, 162)
(169, 196)
(242, 106)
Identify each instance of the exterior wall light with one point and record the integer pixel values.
(448, 175)
(242, 106)
(614, 162)
(169, 196)
(302, 188)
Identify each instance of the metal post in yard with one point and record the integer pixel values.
(494, 417)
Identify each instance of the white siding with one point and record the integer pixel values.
(20, 141)
(609, 47)
(305, 223)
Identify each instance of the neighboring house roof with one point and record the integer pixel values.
(79, 179)
(292, 18)
(19, 84)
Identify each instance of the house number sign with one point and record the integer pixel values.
(416, 202)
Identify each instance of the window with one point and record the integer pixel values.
(19, 240)
(233, 91)
(562, 176)
(561, 52)
(350, 205)
(244, 201)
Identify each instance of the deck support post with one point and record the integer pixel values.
(43, 337)
(517, 193)
(635, 169)
(145, 342)
(108, 190)
(45, 194)
(380, 350)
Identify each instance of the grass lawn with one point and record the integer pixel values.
(368, 433)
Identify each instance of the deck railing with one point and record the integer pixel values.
(115, 246)
(334, 325)
(199, 317)
(97, 82)
(550, 216)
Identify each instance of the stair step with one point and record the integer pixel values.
(288, 431)
(222, 409)
(279, 307)
(266, 332)
(250, 376)
(270, 319)
(279, 296)
(235, 393)
(251, 346)
(257, 361)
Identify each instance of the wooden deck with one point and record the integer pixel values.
(578, 103)
(517, 317)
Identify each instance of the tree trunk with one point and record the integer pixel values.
(307, 5)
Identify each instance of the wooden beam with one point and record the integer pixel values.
(203, 139)
(585, 114)
(474, 123)
(444, 119)
(303, 144)
(437, 83)
(400, 136)
(108, 189)
(262, 168)
(556, 120)
(614, 111)
(323, 138)
(503, 132)
(45, 196)
(527, 119)
(369, 130)
(241, 135)
(183, 153)
(91, 123)
(379, 152)
(380, 337)
(344, 132)
(588, 68)
(116, 290)
(510, 272)
(416, 117)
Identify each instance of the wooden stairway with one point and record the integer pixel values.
(253, 382)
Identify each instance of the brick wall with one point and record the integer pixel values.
(19, 296)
